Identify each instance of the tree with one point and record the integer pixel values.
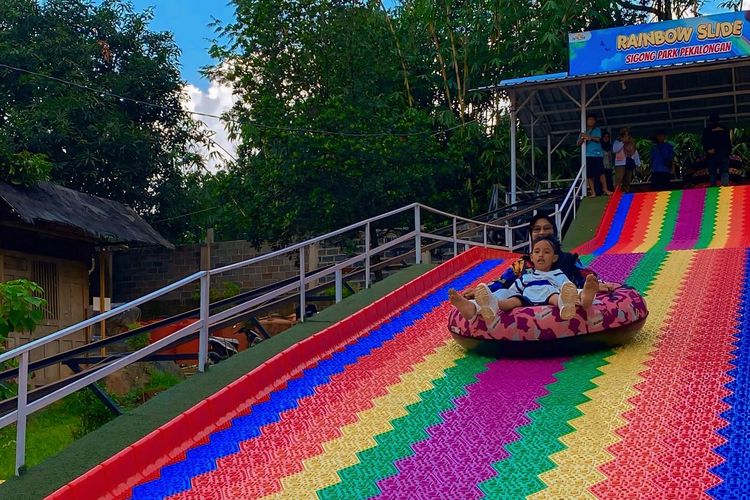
(330, 70)
(302, 69)
(120, 149)
(355, 68)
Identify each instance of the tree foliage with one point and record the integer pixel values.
(344, 109)
(20, 307)
(359, 69)
(119, 149)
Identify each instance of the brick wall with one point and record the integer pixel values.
(142, 270)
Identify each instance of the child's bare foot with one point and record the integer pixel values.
(487, 302)
(567, 301)
(464, 305)
(589, 291)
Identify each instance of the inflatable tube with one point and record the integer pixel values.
(613, 318)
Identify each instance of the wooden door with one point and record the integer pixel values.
(65, 285)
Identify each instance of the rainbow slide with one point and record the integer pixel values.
(385, 405)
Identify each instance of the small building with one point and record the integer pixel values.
(59, 238)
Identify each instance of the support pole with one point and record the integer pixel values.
(23, 388)
(533, 161)
(583, 144)
(102, 298)
(549, 161)
(205, 302)
(302, 285)
(512, 156)
(418, 235)
(455, 238)
(367, 255)
(339, 289)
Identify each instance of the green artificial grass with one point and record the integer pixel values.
(584, 227)
(85, 453)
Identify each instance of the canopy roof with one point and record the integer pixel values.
(677, 98)
(671, 75)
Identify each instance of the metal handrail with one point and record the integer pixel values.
(206, 319)
(312, 241)
(17, 351)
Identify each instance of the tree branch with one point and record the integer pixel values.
(641, 8)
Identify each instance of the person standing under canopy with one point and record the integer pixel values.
(662, 162)
(592, 136)
(718, 146)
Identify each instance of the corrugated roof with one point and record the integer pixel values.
(104, 220)
(525, 80)
(564, 76)
(678, 98)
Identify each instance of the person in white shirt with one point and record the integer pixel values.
(539, 286)
(626, 159)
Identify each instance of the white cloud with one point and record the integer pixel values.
(215, 101)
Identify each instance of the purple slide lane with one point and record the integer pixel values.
(474, 432)
(688, 227)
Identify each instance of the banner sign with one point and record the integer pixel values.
(681, 41)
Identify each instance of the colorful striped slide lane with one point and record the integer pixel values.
(701, 221)
(206, 469)
(399, 411)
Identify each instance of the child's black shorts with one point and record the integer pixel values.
(594, 167)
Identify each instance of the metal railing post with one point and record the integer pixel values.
(508, 237)
(418, 235)
(23, 387)
(455, 238)
(367, 255)
(204, 312)
(339, 287)
(302, 266)
(484, 235)
(557, 218)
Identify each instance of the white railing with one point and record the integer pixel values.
(570, 203)
(206, 320)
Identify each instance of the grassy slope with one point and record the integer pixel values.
(49, 432)
(584, 227)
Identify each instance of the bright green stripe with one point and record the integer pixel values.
(517, 476)
(642, 276)
(587, 259)
(670, 221)
(709, 218)
(360, 480)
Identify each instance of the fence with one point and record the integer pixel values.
(24, 409)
